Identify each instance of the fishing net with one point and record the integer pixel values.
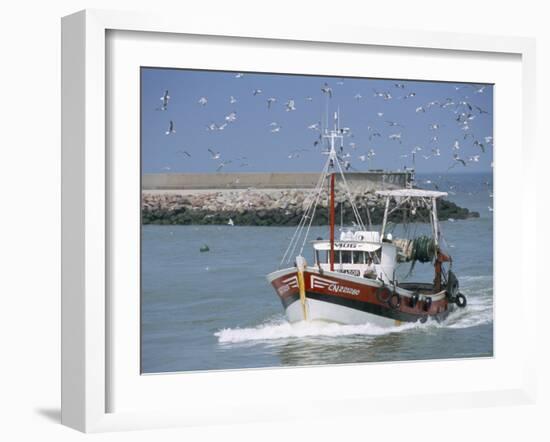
(423, 249)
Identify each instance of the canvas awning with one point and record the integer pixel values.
(415, 193)
(352, 246)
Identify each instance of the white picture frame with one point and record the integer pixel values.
(86, 315)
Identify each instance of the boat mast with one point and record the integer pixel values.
(384, 222)
(439, 257)
(435, 222)
(333, 158)
(332, 222)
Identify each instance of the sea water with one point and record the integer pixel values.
(216, 310)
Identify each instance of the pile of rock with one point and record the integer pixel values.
(270, 208)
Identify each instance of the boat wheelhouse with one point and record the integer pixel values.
(352, 279)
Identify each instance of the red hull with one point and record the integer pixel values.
(364, 295)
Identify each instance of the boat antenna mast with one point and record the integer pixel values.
(332, 136)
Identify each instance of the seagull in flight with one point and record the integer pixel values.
(232, 99)
(222, 165)
(327, 90)
(171, 129)
(214, 155)
(270, 101)
(239, 75)
(165, 98)
(256, 92)
(457, 159)
(231, 117)
(394, 124)
(480, 110)
(374, 134)
(480, 145)
(395, 137)
(202, 101)
(290, 106)
(184, 152)
(384, 95)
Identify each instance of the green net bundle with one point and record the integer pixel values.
(423, 249)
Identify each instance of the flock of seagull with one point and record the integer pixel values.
(463, 110)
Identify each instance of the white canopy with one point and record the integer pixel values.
(415, 193)
(354, 246)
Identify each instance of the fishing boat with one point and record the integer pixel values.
(353, 279)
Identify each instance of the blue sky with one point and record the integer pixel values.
(250, 144)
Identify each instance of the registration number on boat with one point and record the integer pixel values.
(343, 289)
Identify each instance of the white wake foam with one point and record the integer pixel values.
(476, 313)
(282, 329)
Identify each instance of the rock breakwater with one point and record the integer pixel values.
(272, 208)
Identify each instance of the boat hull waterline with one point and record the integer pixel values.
(346, 299)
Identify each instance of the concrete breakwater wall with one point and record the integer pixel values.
(270, 207)
(188, 181)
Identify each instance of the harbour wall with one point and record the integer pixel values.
(365, 181)
(271, 207)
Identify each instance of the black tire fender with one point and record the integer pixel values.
(413, 300)
(427, 303)
(460, 300)
(452, 286)
(379, 291)
(394, 301)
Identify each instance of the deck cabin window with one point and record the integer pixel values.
(322, 256)
(345, 257)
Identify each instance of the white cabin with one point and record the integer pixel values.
(351, 253)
